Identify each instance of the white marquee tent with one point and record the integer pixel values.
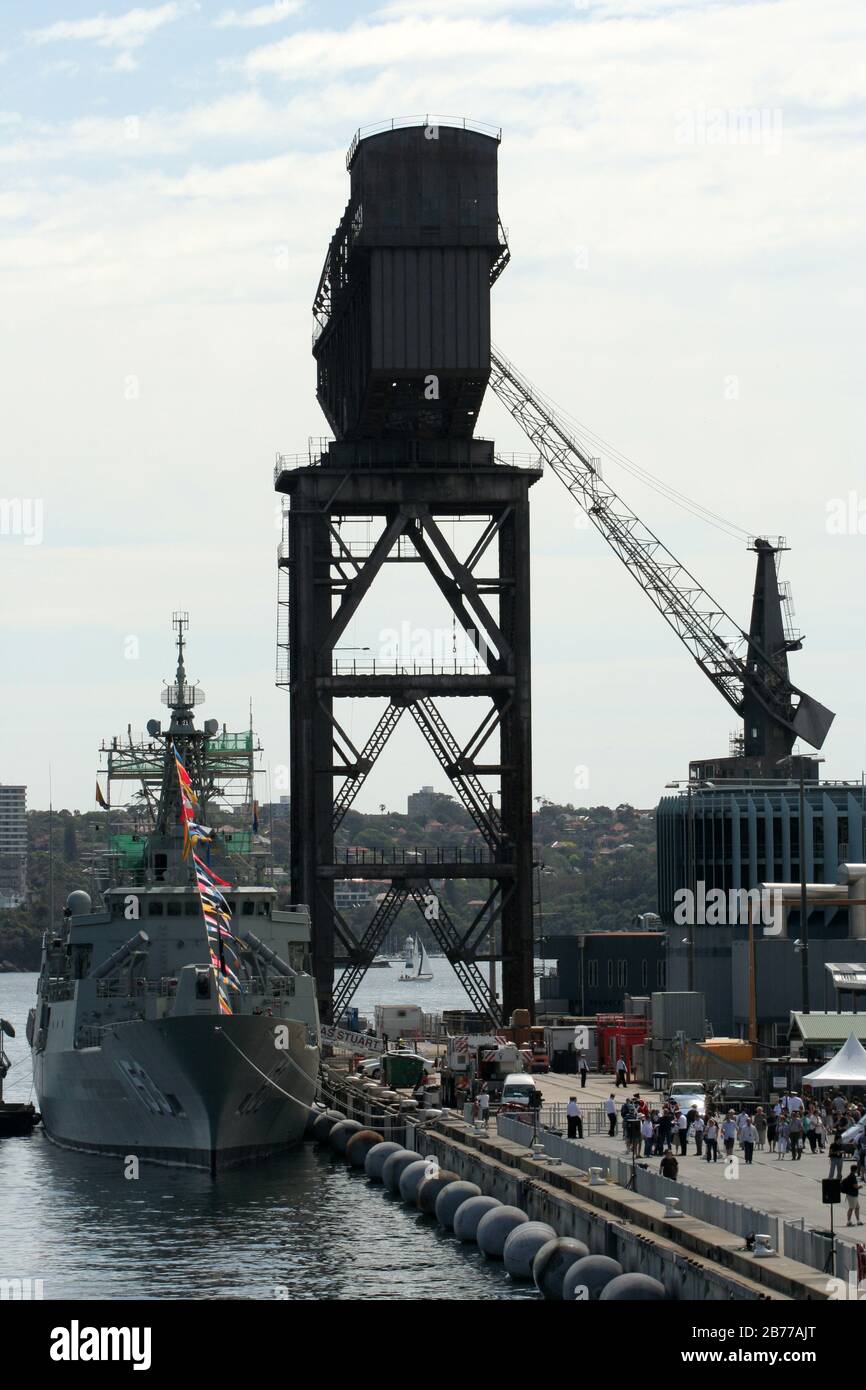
(847, 1068)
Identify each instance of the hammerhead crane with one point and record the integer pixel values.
(750, 669)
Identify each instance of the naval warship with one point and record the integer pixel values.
(177, 1021)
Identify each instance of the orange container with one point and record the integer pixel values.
(729, 1049)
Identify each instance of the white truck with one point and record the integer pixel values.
(479, 1057)
(396, 1021)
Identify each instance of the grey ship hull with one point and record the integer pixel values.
(181, 1090)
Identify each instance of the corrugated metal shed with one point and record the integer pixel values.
(828, 1028)
(674, 1012)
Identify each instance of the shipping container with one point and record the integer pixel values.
(729, 1049)
(398, 1021)
(674, 1012)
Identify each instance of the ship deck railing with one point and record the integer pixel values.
(93, 1034)
(166, 988)
(123, 989)
(56, 991)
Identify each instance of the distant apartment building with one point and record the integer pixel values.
(351, 892)
(420, 803)
(13, 846)
(427, 802)
(596, 970)
(729, 835)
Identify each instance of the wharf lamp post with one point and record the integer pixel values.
(804, 904)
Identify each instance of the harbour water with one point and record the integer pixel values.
(383, 986)
(300, 1227)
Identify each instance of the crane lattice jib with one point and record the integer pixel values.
(718, 644)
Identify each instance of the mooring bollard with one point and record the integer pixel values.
(595, 1177)
(763, 1248)
(672, 1206)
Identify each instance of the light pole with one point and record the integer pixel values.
(690, 873)
(804, 895)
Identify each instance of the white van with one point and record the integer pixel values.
(518, 1090)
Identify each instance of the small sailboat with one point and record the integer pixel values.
(420, 969)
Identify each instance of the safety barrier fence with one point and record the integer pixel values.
(553, 1116)
(790, 1238)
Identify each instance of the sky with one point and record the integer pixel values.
(683, 186)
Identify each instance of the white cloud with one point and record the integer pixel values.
(124, 62)
(564, 49)
(183, 248)
(259, 16)
(396, 8)
(129, 30)
(61, 67)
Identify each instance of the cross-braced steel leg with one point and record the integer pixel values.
(448, 938)
(365, 761)
(375, 934)
(448, 752)
(328, 583)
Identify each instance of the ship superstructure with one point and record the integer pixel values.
(178, 1021)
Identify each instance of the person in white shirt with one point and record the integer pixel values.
(610, 1110)
(621, 1072)
(574, 1118)
(698, 1128)
(647, 1134)
(729, 1132)
(683, 1131)
(795, 1104)
(484, 1105)
(748, 1139)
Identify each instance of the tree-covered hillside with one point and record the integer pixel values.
(595, 866)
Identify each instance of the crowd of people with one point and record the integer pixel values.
(791, 1127)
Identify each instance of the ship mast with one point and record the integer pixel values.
(147, 846)
(181, 697)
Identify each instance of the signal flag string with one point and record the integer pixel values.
(215, 909)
